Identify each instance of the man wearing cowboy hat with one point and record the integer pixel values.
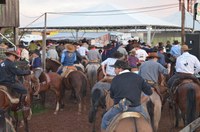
(68, 58)
(9, 71)
(36, 65)
(175, 50)
(186, 66)
(151, 69)
(126, 95)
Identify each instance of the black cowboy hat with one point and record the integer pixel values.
(37, 52)
(121, 64)
(117, 54)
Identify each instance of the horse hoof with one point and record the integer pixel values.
(55, 113)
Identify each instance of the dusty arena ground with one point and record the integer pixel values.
(68, 120)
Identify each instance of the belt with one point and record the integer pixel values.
(181, 73)
(150, 82)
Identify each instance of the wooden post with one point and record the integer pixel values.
(44, 43)
(183, 22)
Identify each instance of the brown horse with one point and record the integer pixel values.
(52, 65)
(127, 121)
(187, 100)
(9, 103)
(51, 81)
(78, 83)
(100, 74)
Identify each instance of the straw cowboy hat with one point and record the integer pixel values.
(185, 48)
(70, 47)
(12, 53)
(153, 55)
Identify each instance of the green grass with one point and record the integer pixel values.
(38, 109)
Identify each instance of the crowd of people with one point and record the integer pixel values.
(125, 64)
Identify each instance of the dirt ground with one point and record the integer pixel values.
(69, 120)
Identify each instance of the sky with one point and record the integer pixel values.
(30, 10)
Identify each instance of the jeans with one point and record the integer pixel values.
(116, 109)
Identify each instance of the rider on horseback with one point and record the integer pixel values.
(36, 66)
(186, 66)
(9, 71)
(125, 93)
(151, 69)
(68, 58)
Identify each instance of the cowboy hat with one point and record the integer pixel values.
(153, 55)
(117, 54)
(184, 47)
(37, 52)
(121, 64)
(12, 53)
(70, 47)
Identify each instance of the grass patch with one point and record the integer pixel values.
(38, 109)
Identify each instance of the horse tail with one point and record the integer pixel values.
(150, 109)
(96, 95)
(191, 105)
(84, 87)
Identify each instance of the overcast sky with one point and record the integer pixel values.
(31, 9)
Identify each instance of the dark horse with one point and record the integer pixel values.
(97, 100)
(78, 83)
(187, 100)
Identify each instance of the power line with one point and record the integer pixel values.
(106, 11)
(121, 13)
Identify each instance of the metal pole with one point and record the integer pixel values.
(149, 35)
(44, 43)
(183, 22)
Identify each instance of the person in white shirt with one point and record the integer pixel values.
(140, 53)
(108, 71)
(24, 54)
(52, 53)
(186, 66)
(82, 50)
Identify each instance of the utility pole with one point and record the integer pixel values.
(182, 21)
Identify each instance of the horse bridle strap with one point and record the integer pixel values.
(122, 116)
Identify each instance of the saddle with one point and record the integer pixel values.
(67, 70)
(178, 81)
(5, 91)
(121, 116)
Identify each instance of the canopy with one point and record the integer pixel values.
(176, 19)
(102, 17)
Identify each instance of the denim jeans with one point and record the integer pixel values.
(112, 112)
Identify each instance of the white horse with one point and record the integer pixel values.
(91, 70)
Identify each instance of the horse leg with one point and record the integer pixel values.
(16, 120)
(57, 102)
(26, 128)
(62, 93)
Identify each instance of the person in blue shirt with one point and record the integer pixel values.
(36, 66)
(68, 58)
(175, 49)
